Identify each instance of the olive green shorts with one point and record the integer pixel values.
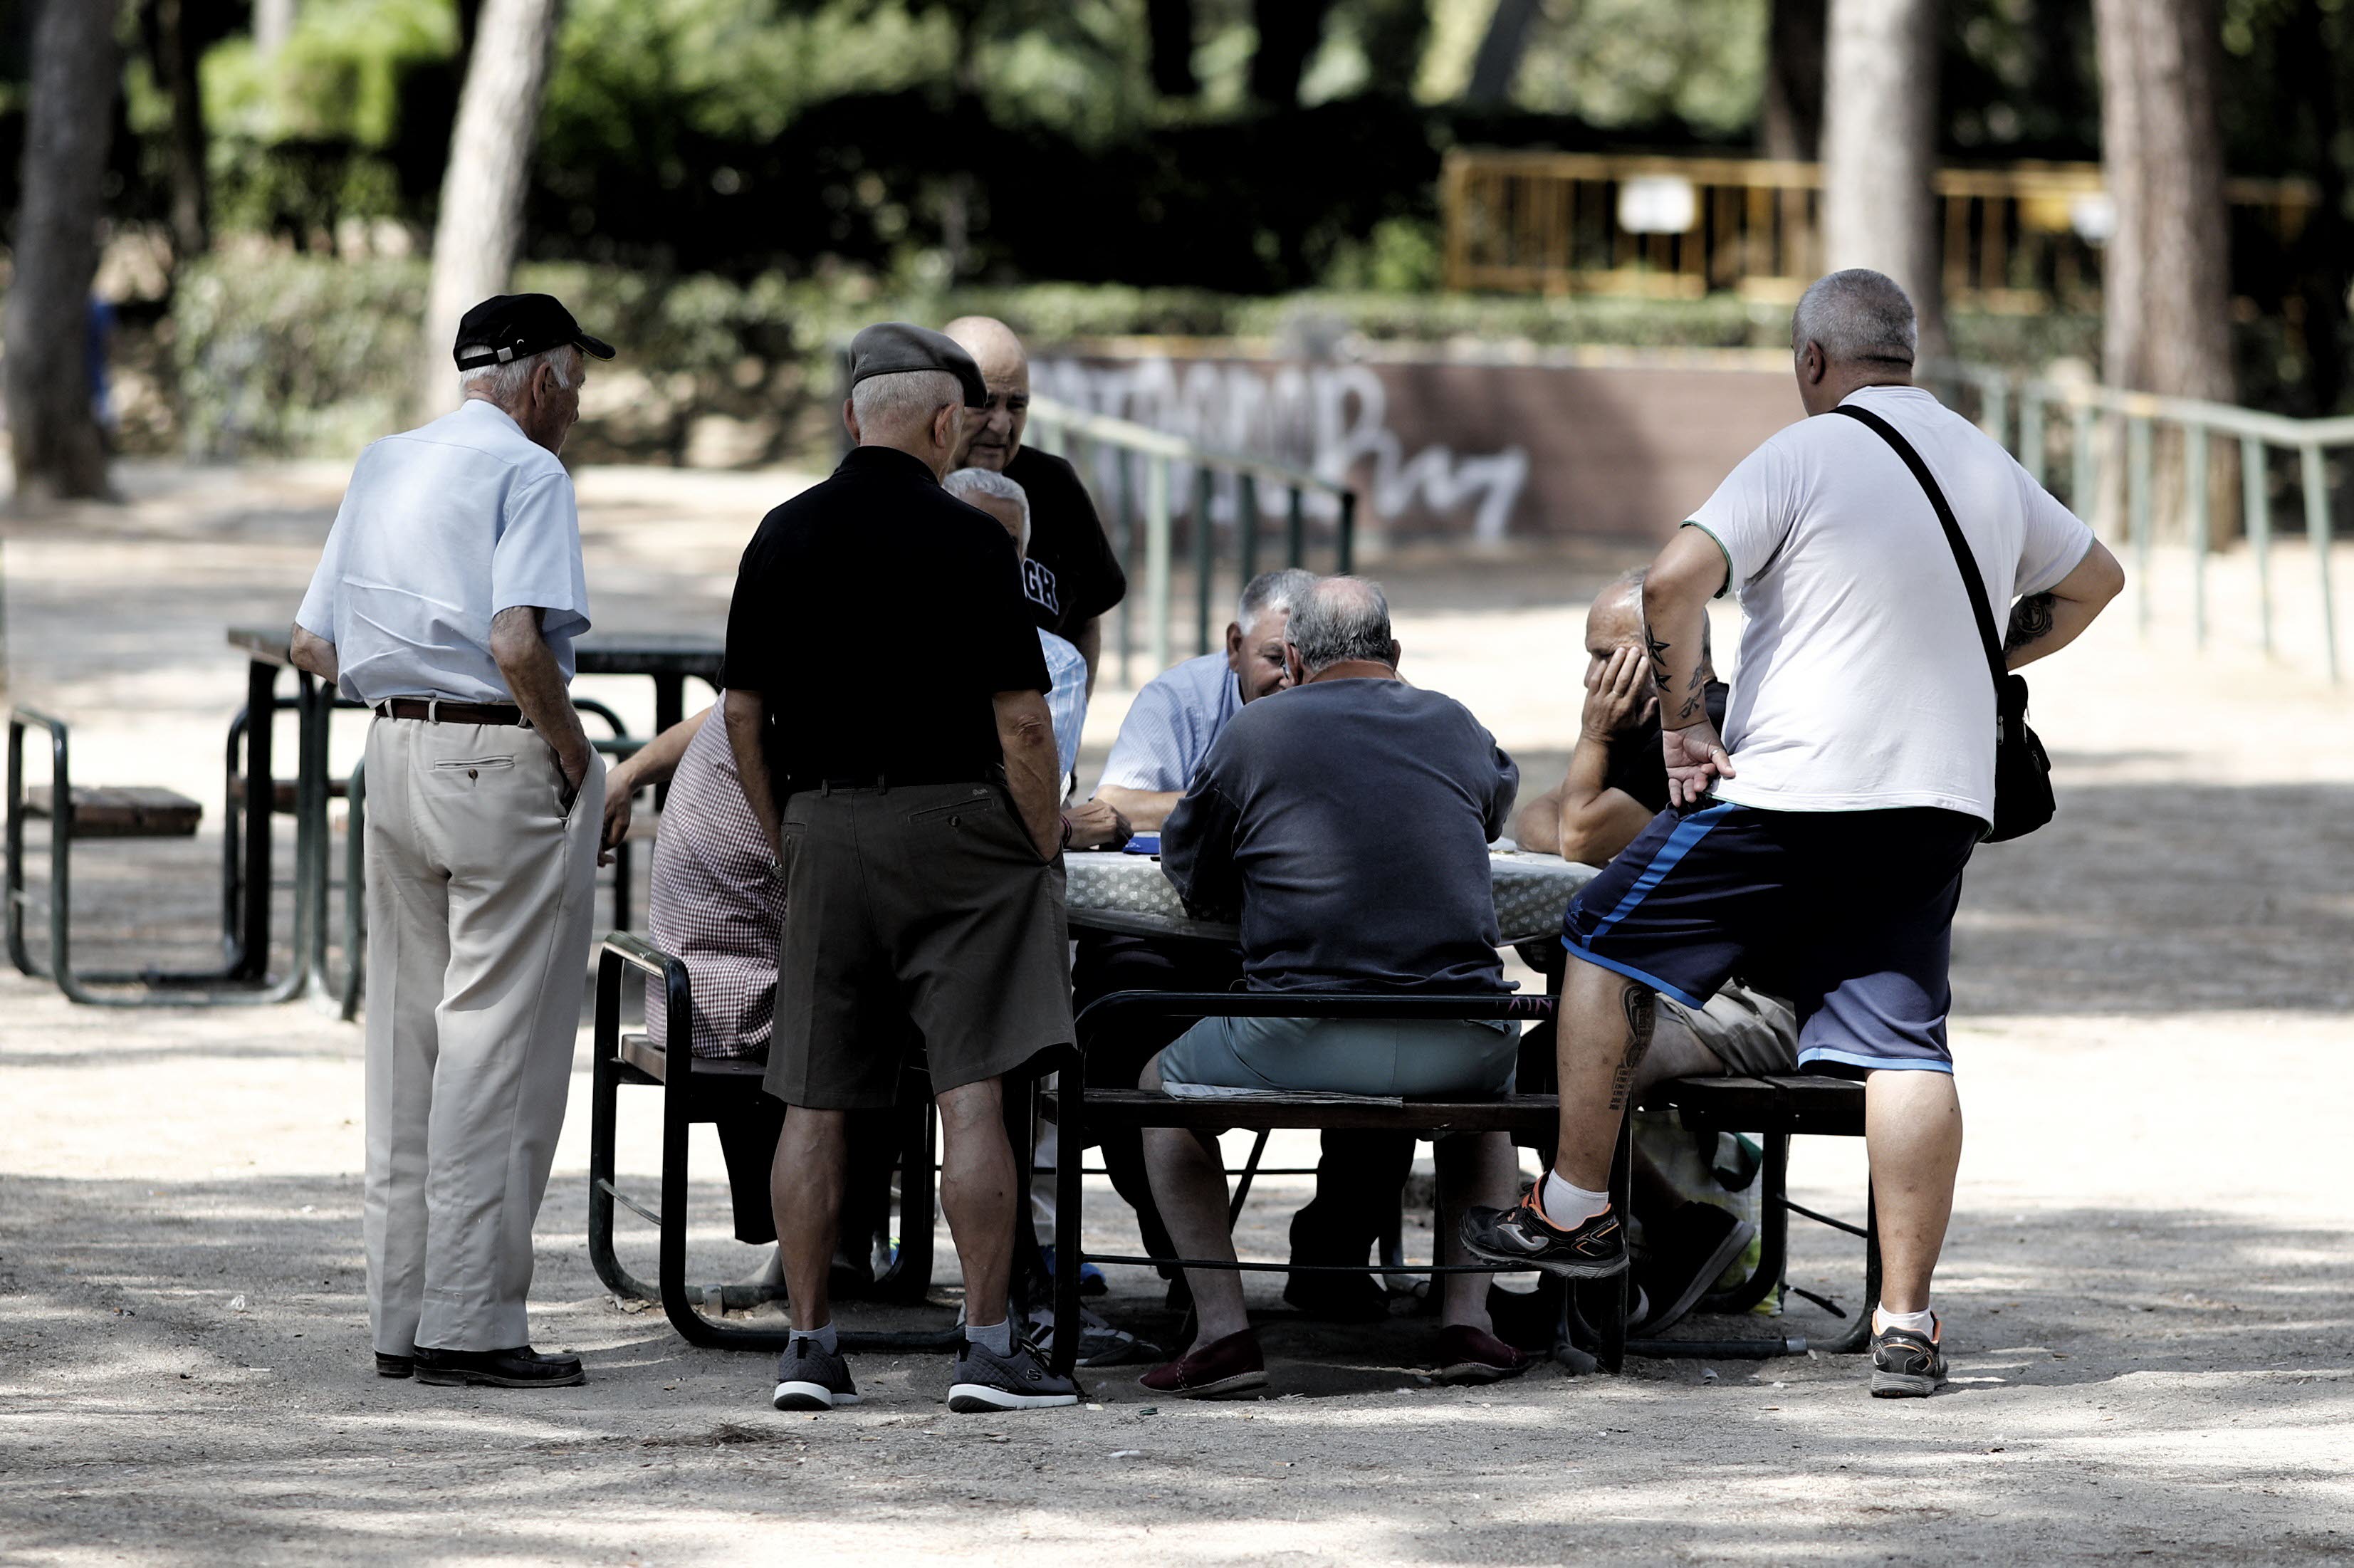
(923, 903)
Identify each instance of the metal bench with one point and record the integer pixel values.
(699, 1090)
(76, 811)
(1594, 1312)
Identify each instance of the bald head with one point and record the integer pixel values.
(1617, 617)
(993, 432)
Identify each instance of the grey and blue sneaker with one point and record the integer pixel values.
(808, 1378)
(984, 1379)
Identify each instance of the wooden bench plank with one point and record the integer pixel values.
(731, 1073)
(121, 811)
(1796, 1103)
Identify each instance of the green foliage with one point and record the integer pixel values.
(338, 77)
(1637, 62)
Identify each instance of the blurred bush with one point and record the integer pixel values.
(268, 354)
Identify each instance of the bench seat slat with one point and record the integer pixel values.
(729, 1074)
(121, 811)
(1798, 1104)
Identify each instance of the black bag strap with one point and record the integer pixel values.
(1964, 561)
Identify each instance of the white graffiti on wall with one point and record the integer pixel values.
(1327, 418)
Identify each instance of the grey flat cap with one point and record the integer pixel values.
(888, 347)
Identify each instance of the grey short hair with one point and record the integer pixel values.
(504, 382)
(1339, 618)
(894, 398)
(1271, 591)
(1858, 314)
(967, 483)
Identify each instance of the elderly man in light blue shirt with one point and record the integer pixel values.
(447, 600)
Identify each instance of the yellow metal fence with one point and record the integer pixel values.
(2024, 237)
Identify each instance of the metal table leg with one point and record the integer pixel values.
(260, 708)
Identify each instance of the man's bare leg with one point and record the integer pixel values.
(977, 1194)
(1603, 1030)
(805, 1184)
(1189, 1187)
(1912, 1135)
(1473, 1169)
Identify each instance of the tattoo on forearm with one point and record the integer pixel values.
(1659, 650)
(2030, 618)
(1642, 1009)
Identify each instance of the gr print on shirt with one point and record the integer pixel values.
(1862, 684)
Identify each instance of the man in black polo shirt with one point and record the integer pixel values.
(918, 838)
(1069, 573)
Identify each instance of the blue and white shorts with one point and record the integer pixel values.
(1847, 913)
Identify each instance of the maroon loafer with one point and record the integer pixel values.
(1231, 1365)
(1473, 1355)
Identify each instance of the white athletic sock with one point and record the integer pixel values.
(1568, 1205)
(825, 1336)
(1924, 1322)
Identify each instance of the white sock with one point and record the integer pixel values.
(1924, 1322)
(825, 1338)
(1567, 1205)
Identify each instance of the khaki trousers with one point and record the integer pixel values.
(479, 885)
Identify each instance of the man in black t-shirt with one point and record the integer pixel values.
(1615, 784)
(919, 836)
(1069, 573)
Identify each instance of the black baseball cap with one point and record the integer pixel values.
(888, 347)
(510, 326)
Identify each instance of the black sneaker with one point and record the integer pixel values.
(984, 1379)
(1689, 1249)
(521, 1367)
(1521, 1237)
(1905, 1365)
(809, 1377)
(395, 1366)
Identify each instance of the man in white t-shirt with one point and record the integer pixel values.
(1817, 846)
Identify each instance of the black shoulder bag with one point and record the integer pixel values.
(2022, 773)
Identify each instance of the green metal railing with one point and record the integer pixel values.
(1145, 480)
(2100, 420)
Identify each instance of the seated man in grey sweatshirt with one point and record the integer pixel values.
(1349, 818)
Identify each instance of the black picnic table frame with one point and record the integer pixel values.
(668, 660)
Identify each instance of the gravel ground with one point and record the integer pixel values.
(2147, 1287)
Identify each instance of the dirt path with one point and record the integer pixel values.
(2148, 1284)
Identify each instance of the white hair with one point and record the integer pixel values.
(967, 483)
(1269, 592)
(1858, 314)
(1337, 619)
(504, 382)
(890, 400)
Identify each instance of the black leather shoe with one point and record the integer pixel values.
(521, 1367)
(395, 1366)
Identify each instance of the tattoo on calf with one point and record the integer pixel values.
(1642, 1009)
(2030, 618)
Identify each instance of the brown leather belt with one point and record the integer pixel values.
(435, 711)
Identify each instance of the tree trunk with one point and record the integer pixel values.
(480, 231)
(273, 23)
(1170, 26)
(67, 122)
(1790, 115)
(1288, 34)
(1880, 150)
(2165, 278)
(2165, 286)
(172, 50)
(1496, 66)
